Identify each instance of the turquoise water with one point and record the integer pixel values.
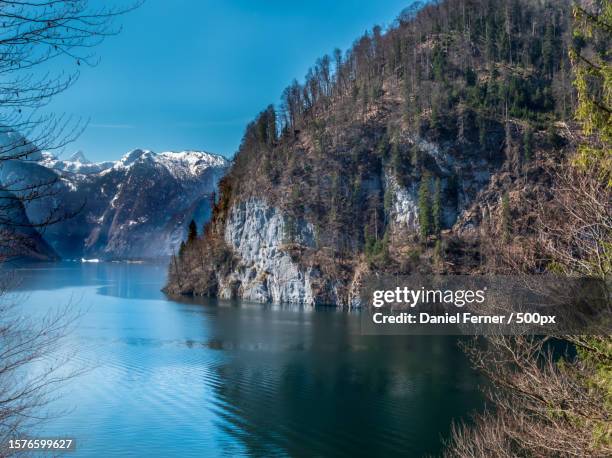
(168, 378)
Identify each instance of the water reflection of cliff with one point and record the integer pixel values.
(307, 383)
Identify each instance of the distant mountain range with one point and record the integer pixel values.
(138, 207)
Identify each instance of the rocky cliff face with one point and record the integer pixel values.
(137, 207)
(403, 213)
(257, 234)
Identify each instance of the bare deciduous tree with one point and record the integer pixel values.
(542, 405)
(35, 364)
(43, 43)
(576, 230)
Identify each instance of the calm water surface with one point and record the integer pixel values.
(168, 378)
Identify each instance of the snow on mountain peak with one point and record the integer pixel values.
(132, 156)
(194, 158)
(79, 156)
(190, 163)
(183, 164)
(76, 164)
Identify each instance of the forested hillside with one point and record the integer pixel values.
(424, 147)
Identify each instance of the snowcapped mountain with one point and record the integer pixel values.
(136, 207)
(77, 163)
(182, 165)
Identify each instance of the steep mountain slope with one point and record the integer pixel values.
(393, 157)
(137, 207)
(19, 239)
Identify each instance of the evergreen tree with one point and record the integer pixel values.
(548, 49)
(490, 37)
(396, 160)
(181, 251)
(424, 207)
(388, 200)
(266, 126)
(452, 191)
(437, 207)
(438, 65)
(415, 157)
(470, 77)
(193, 233)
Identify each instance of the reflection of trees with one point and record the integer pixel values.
(308, 384)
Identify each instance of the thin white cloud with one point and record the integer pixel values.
(226, 122)
(113, 126)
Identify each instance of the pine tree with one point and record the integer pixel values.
(548, 49)
(193, 233)
(415, 157)
(424, 207)
(396, 160)
(438, 65)
(437, 207)
(388, 200)
(266, 126)
(471, 78)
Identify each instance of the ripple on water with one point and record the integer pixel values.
(215, 379)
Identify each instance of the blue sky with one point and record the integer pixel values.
(190, 74)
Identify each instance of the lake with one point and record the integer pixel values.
(213, 378)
